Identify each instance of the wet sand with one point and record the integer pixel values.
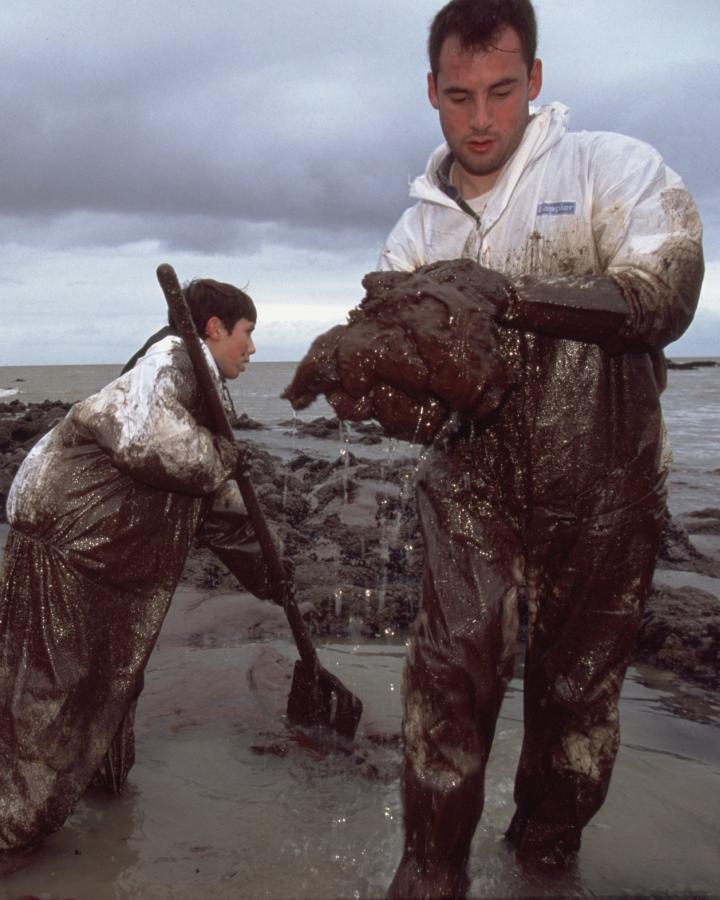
(224, 802)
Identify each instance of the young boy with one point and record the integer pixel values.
(103, 511)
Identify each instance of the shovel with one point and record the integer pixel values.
(318, 700)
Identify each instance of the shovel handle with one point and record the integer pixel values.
(282, 588)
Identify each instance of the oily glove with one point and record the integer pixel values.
(289, 569)
(590, 308)
(231, 537)
(419, 347)
(489, 289)
(264, 585)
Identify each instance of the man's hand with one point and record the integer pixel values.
(492, 290)
(419, 347)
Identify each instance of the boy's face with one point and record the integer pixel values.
(231, 350)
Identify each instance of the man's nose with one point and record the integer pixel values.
(480, 114)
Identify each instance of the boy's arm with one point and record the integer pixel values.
(143, 421)
(229, 533)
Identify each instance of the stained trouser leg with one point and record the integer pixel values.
(120, 757)
(587, 584)
(459, 662)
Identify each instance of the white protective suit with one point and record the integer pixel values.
(103, 511)
(561, 491)
(567, 203)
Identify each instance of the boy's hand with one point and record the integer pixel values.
(228, 451)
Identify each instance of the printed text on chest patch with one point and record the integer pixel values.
(561, 208)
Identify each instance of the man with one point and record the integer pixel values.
(561, 490)
(103, 511)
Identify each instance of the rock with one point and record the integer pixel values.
(701, 521)
(320, 427)
(21, 427)
(680, 631)
(243, 422)
(692, 364)
(677, 550)
(334, 429)
(13, 406)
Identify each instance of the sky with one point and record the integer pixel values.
(270, 144)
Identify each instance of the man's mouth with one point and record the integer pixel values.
(480, 145)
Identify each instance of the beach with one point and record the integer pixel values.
(225, 799)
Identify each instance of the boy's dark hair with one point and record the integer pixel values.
(207, 298)
(476, 24)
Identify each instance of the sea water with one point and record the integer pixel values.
(691, 406)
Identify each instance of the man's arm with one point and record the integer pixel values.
(400, 252)
(648, 238)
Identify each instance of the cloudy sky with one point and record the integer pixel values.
(270, 144)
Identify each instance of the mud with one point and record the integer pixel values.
(417, 348)
(351, 528)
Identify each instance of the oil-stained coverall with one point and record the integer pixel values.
(102, 512)
(562, 490)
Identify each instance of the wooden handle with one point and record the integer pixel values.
(282, 589)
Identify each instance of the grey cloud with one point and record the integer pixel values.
(226, 125)
(202, 234)
(235, 118)
(143, 164)
(668, 109)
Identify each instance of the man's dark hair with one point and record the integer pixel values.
(477, 23)
(207, 298)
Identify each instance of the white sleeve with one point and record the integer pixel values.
(648, 236)
(144, 421)
(403, 251)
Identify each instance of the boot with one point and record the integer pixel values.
(543, 845)
(439, 825)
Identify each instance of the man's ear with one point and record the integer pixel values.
(535, 80)
(432, 90)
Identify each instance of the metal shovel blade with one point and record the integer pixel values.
(319, 700)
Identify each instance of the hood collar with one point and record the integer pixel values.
(546, 126)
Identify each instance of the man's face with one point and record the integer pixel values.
(231, 350)
(482, 98)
